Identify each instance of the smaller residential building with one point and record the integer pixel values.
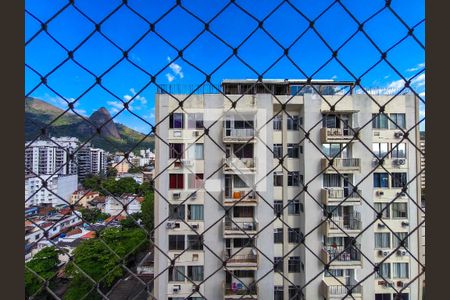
(122, 167)
(138, 177)
(82, 197)
(124, 205)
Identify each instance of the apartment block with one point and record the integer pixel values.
(274, 191)
(58, 189)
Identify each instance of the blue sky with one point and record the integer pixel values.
(155, 56)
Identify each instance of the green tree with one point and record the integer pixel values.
(131, 221)
(45, 264)
(135, 169)
(101, 260)
(92, 182)
(121, 186)
(147, 211)
(93, 215)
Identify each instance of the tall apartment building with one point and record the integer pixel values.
(90, 161)
(51, 156)
(252, 212)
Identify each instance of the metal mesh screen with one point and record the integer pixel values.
(76, 251)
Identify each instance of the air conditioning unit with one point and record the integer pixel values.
(401, 194)
(196, 133)
(400, 161)
(401, 252)
(170, 225)
(405, 223)
(400, 283)
(380, 193)
(194, 196)
(398, 134)
(187, 162)
(176, 195)
(247, 226)
(176, 288)
(381, 225)
(383, 252)
(195, 226)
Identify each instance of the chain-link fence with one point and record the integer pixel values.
(257, 189)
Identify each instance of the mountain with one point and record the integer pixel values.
(113, 136)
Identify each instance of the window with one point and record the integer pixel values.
(401, 236)
(277, 178)
(277, 151)
(294, 178)
(294, 264)
(294, 235)
(176, 121)
(195, 181)
(401, 270)
(380, 180)
(398, 150)
(176, 212)
(244, 151)
(195, 273)
(194, 242)
(195, 212)
(379, 207)
(380, 149)
(176, 242)
(293, 150)
(331, 150)
(398, 180)
(195, 152)
(278, 122)
(243, 211)
(292, 123)
(334, 273)
(399, 210)
(176, 181)
(331, 180)
(382, 240)
(379, 121)
(177, 273)
(278, 235)
(244, 273)
(278, 206)
(398, 121)
(294, 207)
(278, 292)
(238, 182)
(176, 150)
(195, 121)
(330, 121)
(278, 264)
(384, 271)
(382, 296)
(243, 243)
(294, 292)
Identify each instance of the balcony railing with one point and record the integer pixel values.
(240, 227)
(330, 135)
(338, 194)
(342, 165)
(341, 290)
(347, 225)
(239, 165)
(341, 254)
(242, 134)
(241, 196)
(239, 289)
(243, 257)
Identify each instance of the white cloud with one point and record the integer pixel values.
(177, 70)
(416, 68)
(416, 82)
(398, 84)
(422, 94)
(386, 77)
(170, 77)
(137, 102)
(334, 77)
(115, 106)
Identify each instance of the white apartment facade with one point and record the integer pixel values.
(58, 189)
(124, 205)
(51, 156)
(221, 173)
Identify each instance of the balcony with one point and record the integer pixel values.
(342, 165)
(239, 227)
(331, 289)
(394, 163)
(336, 135)
(238, 165)
(241, 258)
(349, 225)
(341, 256)
(238, 135)
(335, 195)
(238, 290)
(240, 197)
